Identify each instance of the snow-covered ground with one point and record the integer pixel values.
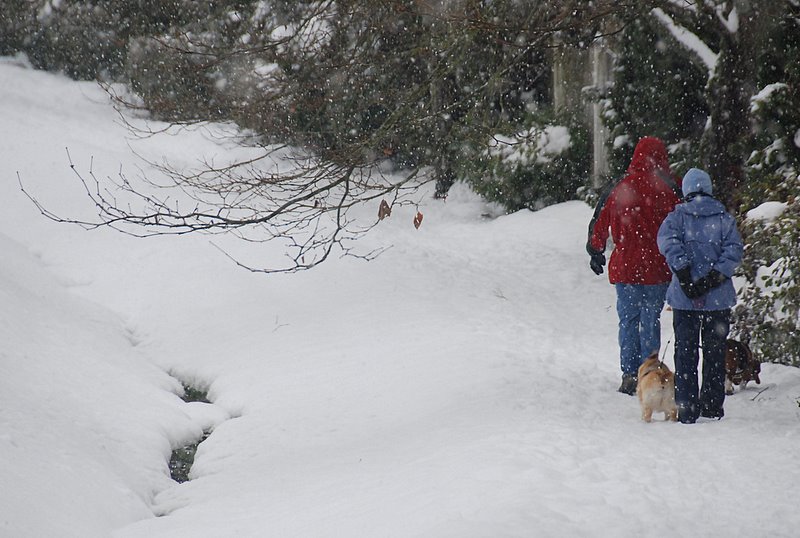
(461, 385)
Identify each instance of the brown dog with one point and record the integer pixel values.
(740, 366)
(656, 389)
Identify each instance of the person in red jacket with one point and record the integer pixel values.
(633, 209)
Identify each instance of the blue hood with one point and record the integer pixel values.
(696, 180)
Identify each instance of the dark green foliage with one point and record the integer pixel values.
(172, 85)
(519, 173)
(723, 143)
(769, 311)
(357, 84)
(176, 68)
(16, 21)
(657, 91)
(88, 39)
(83, 40)
(774, 149)
(419, 87)
(726, 140)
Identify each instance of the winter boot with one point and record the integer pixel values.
(628, 385)
(687, 413)
(712, 413)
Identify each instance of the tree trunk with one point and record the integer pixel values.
(729, 93)
(728, 98)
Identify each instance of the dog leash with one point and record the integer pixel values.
(664, 354)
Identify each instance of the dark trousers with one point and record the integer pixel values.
(712, 327)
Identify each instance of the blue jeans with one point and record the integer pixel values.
(639, 309)
(712, 326)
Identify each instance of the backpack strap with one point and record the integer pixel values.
(666, 178)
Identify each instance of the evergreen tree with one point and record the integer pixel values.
(353, 81)
(87, 39)
(657, 91)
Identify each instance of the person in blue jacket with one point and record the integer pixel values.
(702, 246)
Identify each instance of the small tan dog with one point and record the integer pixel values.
(656, 389)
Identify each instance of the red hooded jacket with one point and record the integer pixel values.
(633, 208)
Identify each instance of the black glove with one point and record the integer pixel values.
(597, 261)
(687, 285)
(713, 279)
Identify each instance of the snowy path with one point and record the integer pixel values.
(462, 385)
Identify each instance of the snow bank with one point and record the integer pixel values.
(86, 421)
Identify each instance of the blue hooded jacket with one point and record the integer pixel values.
(702, 235)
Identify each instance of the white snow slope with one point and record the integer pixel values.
(461, 385)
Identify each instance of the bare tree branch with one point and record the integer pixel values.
(304, 199)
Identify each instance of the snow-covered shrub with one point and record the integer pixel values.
(769, 309)
(171, 84)
(218, 65)
(543, 165)
(83, 39)
(16, 20)
(86, 39)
